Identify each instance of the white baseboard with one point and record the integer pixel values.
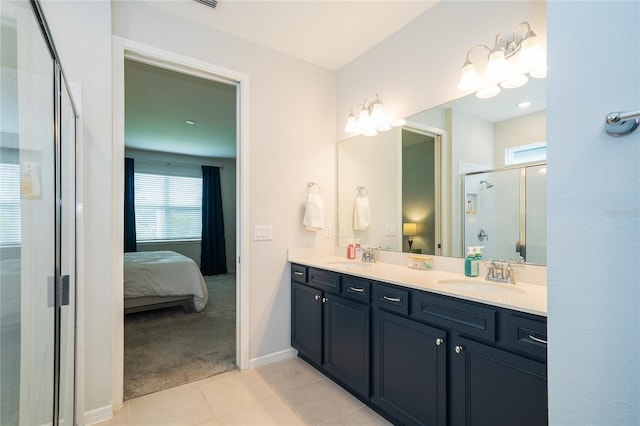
(274, 357)
(98, 415)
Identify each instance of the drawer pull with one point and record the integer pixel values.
(298, 273)
(356, 289)
(317, 297)
(459, 349)
(325, 300)
(391, 299)
(439, 342)
(537, 339)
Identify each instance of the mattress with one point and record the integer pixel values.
(163, 273)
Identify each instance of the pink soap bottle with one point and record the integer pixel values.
(351, 251)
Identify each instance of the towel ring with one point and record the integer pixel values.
(362, 191)
(311, 185)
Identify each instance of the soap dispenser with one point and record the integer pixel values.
(471, 263)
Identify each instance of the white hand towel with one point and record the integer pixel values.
(362, 214)
(314, 212)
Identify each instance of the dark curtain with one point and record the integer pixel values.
(129, 208)
(213, 259)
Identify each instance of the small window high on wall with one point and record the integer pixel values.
(525, 153)
(168, 207)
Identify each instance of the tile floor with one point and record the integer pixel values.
(289, 392)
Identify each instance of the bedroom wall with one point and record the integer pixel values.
(150, 161)
(288, 146)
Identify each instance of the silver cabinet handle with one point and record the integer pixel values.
(439, 342)
(325, 300)
(537, 339)
(458, 349)
(391, 299)
(357, 290)
(317, 297)
(298, 273)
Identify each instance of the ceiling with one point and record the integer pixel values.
(328, 33)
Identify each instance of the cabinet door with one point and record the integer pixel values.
(346, 344)
(492, 386)
(306, 321)
(409, 370)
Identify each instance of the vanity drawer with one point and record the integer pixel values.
(527, 335)
(298, 274)
(356, 289)
(324, 280)
(469, 319)
(392, 299)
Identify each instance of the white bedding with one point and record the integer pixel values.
(163, 273)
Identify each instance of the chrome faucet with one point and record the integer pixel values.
(501, 272)
(369, 255)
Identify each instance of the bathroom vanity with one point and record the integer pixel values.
(423, 347)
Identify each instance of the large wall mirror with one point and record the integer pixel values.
(450, 177)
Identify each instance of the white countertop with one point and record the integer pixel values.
(523, 297)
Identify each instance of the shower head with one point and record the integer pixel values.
(489, 184)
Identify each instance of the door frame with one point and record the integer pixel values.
(129, 49)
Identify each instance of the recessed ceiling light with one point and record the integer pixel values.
(524, 104)
(191, 122)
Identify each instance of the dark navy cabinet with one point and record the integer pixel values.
(330, 329)
(421, 358)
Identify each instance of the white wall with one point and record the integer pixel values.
(528, 129)
(82, 33)
(593, 214)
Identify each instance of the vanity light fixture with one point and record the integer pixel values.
(507, 64)
(371, 119)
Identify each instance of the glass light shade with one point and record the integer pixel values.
(352, 124)
(409, 229)
(383, 127)
(539, 73)
(496, 69)
(469, 78)
(378, 118)
(363, 119)
(531, 54)
(370, 132)
(488, 92)
(513, 82)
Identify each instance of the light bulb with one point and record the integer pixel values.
(469, 78)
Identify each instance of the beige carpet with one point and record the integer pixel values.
(168, 347)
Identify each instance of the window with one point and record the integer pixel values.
(167, 207)
(9, 204)
(525, 153)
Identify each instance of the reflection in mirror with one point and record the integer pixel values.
(504, 213)
(407, 185)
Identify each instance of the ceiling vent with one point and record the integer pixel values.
(211, 3)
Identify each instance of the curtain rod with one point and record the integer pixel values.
(173, 163)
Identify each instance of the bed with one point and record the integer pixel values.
(160, 279)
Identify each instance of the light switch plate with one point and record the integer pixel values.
(390, 230)
(343, 231)
(262, 233)
(328, 232)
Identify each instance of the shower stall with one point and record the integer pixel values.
(505, 212)
(37, 224)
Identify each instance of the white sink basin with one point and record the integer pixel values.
(481, 287)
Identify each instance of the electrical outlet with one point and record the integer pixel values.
(390, 230)
(328, 233)
(262, 233)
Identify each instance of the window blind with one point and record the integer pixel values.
(167, 207)
(9, 204)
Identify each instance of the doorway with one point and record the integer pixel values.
(129, 50)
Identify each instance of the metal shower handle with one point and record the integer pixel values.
(621, 123)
